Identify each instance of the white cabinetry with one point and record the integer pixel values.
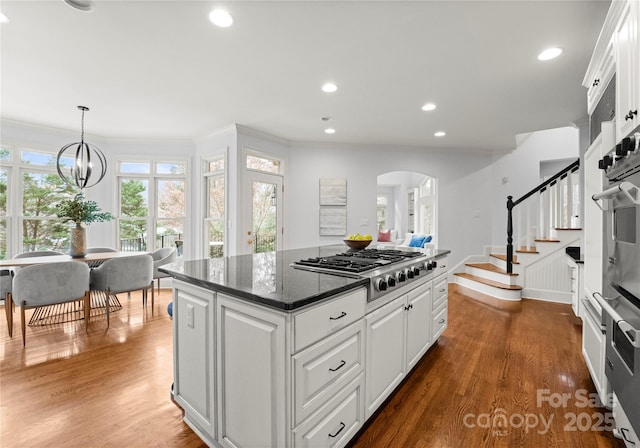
(598, 81)
(577, 276)
(398, 334)
(627, 52)
(251, 375)
(193, 357)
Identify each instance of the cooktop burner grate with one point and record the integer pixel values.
(358, 261)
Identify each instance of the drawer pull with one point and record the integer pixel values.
(342, 364)
(441, 321)
(342, 426)
(339, 317)
(442, 290)
(624, 432)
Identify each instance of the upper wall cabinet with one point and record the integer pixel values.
(617, 51)
(628, 67)
(599, 80)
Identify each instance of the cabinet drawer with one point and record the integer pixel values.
(337, 422)
(440, 322)
(440, 292)
(623, 426)
(441, 266)
(324, 368)
(312, 325)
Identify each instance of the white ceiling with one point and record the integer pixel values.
(162, 70)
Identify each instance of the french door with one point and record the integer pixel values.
(263, 229)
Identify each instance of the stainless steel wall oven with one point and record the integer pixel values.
(620, 298)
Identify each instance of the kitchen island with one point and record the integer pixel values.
(266, 354)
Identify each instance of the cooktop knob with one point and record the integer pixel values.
(409, 273)
(401, 276)
(428, 266)
(391, 280)
(416, 271)
(380, 284)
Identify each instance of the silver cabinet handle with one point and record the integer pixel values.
(627, 329)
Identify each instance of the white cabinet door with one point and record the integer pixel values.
(628, 72)
(418, 324)
(194, 356)
(385, 362)
(251, 375)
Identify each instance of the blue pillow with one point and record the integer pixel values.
(417, 241)
(427, 240)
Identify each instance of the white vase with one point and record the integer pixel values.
(78, 243)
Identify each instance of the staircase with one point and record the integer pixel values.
(544, 229)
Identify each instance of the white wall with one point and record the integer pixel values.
(521, 167)
(463, 182)
(471, 200)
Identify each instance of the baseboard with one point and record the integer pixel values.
(547, 296)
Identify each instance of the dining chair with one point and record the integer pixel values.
(124, 274)
(48, 284)
(161, 257)
(38, 253)
(98, 250)
(5, 285)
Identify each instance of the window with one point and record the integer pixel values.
(215, 207)
(151, 202)
(263, 163)
(382, 211)
(5, 156)
(426, 206)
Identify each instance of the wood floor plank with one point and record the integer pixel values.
(110, 387)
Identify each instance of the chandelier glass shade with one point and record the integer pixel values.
(81, 164)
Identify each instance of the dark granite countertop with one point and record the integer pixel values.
(268, 278)
(574, 253)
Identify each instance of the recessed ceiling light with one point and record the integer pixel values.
(440, 134)
(329, 87)
(428, 106)
(81, 5)
(221, 18)
(3, 18)
(329, 131)
(550, 53)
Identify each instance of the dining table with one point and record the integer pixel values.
(70, 311)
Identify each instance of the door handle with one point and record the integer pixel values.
(249, 241)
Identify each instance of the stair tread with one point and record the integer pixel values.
(546, 240)
(488, 282)
(503, 257)
(489, 267)
(524, 250)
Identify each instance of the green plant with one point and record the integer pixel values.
(80, 210)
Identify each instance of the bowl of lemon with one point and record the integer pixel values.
(357, 241)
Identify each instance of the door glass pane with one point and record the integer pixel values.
(264, 216)
(3, 239)
(215, 216)
(170, 199)
(168, 231)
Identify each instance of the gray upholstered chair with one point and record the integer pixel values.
(124, 274)
(5, 285)
(98, 250)
(48, 284)
(161, 257)
(38, 253)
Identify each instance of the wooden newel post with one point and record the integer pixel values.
(509, 234)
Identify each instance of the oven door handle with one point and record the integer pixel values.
(630, 191)
(631, 333)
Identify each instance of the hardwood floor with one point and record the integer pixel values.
(110, 387)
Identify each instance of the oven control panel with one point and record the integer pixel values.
(624, 157)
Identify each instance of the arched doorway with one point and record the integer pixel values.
(407, 202)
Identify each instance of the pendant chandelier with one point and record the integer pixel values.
(89, 163)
